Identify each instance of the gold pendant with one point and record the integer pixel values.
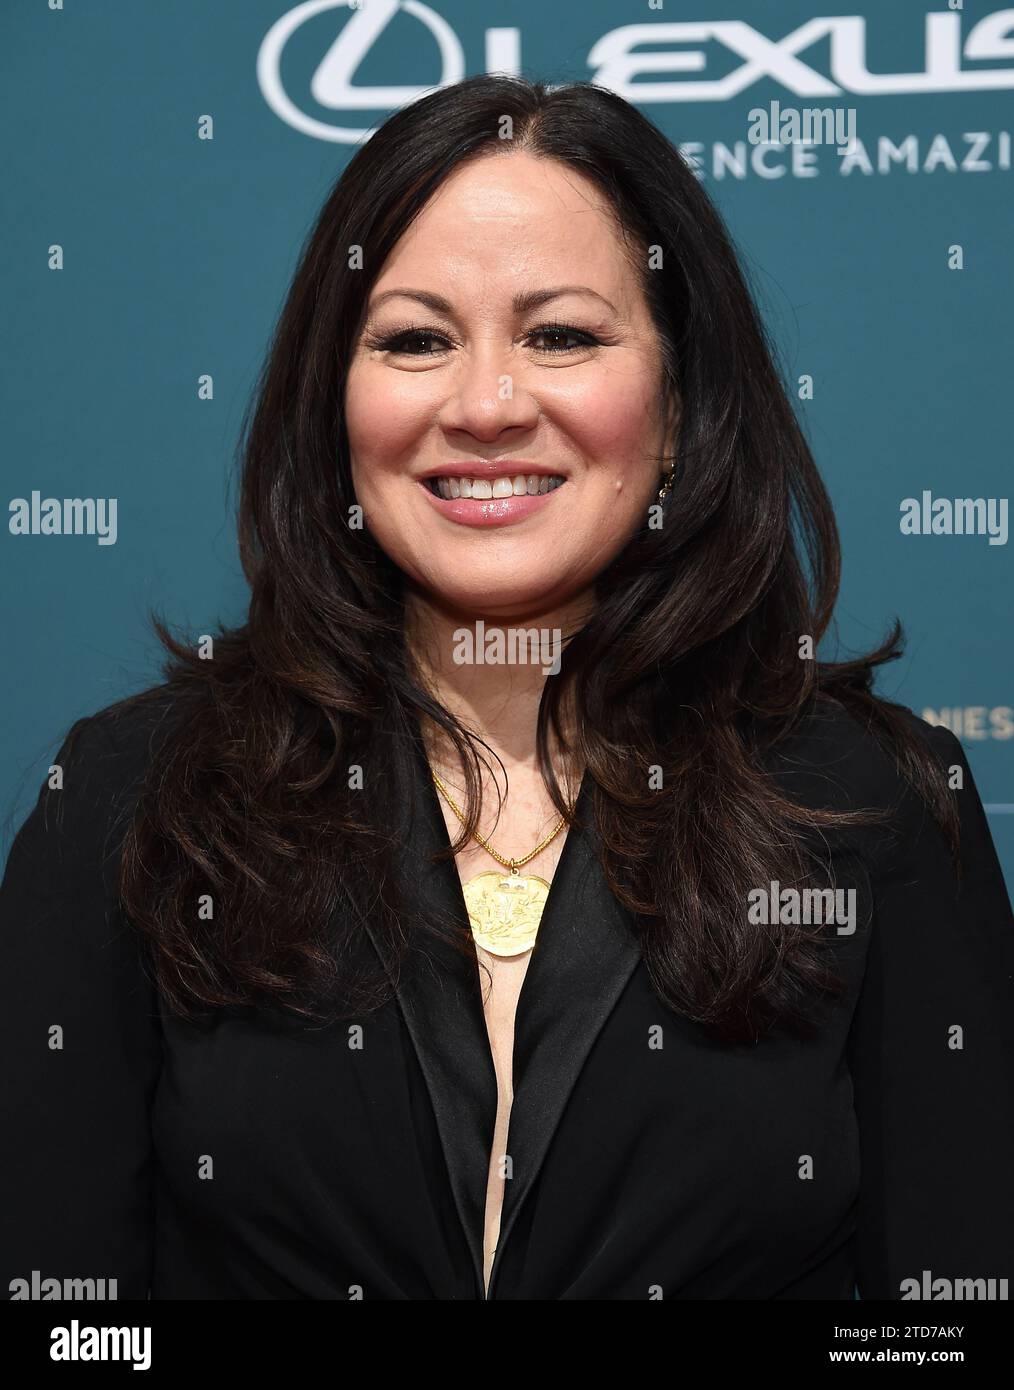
(505, 910)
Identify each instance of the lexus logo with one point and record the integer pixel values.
(613, 64)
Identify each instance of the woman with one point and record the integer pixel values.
(538, 560)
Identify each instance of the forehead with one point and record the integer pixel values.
(505, 218)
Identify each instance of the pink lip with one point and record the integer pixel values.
(489, 511)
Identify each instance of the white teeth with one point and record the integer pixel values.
(517, 485)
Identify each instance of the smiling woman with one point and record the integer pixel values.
(465, 390)
(448, 969)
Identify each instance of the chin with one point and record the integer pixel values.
(499, 600)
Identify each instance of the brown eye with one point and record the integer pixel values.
(407, 343)
(561, 331)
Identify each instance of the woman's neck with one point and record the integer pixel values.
(490, 674)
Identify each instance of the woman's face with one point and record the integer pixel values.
(461, 376)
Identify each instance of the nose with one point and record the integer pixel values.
(488, 395)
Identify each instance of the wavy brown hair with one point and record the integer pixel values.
(689, 662)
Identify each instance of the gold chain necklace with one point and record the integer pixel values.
(504, 912)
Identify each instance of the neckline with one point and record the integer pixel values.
(581, 962)
(577, 823)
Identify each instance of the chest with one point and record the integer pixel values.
(502, 977)
(367, 1153)
(500, 980)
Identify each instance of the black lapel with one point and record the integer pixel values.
(441, 1001)
(583, 957)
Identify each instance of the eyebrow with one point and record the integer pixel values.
(522, 303)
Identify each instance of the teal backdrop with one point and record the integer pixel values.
(141, 257)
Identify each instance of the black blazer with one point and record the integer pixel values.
(255, 1158)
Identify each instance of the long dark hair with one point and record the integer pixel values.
(690, 661)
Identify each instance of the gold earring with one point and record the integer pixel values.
(668, 480)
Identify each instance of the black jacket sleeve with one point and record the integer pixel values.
(932, 1059)
(80, 1039)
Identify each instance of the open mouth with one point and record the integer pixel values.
(486, 489)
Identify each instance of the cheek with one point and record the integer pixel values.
(383, 421)
(614, 423)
